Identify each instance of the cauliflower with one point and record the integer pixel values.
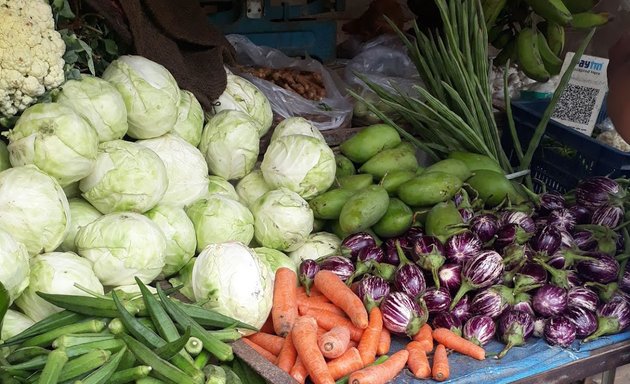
(31, 54)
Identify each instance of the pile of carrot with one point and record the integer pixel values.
(329, 336)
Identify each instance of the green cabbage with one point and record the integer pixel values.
(318, 245)
(14, 259)
(189, 118)
(223, 187)
(82, 213)
(251, 187)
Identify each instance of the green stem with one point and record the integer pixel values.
(463, 289)
(518, 149)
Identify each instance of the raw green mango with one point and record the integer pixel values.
(328, 205)
(429, 188)
(355, 182)
(364, 209)
(394, 179)
(345, 167)
(396, 221)
(443, 221)
(475, 161)
(451, 166)
(369, 141)
(400, 158)
(493, 187)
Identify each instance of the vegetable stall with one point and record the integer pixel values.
(148, 236)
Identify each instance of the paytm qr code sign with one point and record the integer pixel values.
(581, 101)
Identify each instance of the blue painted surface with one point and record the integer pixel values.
(535, 357)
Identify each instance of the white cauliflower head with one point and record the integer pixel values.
(31, 54)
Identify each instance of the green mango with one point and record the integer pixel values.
(396, 221)
(394, 179)
(451, 166)
(364, 209)
(443, 221)
(328, 205)
(429, 188)
(345, 167)
(493, 187)
(369, 141)
(402, 157)
(355, 182)
(476, 161)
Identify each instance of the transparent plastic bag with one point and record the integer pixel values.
(333, 111)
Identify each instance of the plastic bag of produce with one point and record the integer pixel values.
(312, 91)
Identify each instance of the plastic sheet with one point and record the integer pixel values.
(535, 357)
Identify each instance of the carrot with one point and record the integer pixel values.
(306, 304)
(268, 326)
(305, 340)
(261, 351)
(440, 369)
(334, 343)
(371, 336)
(298, 371)
(270, 342)
(284, 309)
(425, 337)
(384, 342)
(315, 294)
(381, 374)
(329, 320)
(345, 364)
(352, 344)
(342, 296)
(287, 355)
(418, 362)
(458, 343)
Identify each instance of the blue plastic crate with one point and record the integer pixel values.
(564, 155)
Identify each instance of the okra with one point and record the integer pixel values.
(116, 326)
(161, 368)
(45, 339)
(202, 359)
(54, 321)
(26, 353)
(163, 323)
(194, 346)
(81, 365)
(130, 375)
(71, 340)
(227, 334)
(231, 377)
(86, 305)
(9, 379)
(218, 348)
(147, 323)
(149, 380)
(215, 374)
(209, 318)
(102, 374)
(168, 350)
(57, 359)
(128, 360)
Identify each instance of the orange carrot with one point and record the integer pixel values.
(382, 373)
(298, 371)
(425, 337)
(284, 309)
(287, 355)
(440, 369)
(320, 331)
(345, 364)
(418, 362)
(261, 351)
(458, 343)
(306, 304)
(315, 294)
(305, 340)
(334, 342)
(384, 342)
(270, 342)
(370, 338)
(342, 296)
(353, 344)
(268, 326)
(329, 320)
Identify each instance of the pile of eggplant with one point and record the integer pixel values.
(554, 268)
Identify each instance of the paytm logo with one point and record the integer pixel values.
(591, 64)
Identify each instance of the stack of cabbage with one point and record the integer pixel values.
(120, 177)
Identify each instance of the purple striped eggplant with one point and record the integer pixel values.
(550, 300)
(437, 299)
(585, 321)
(482, 271)
(306, 274)
(366, 258)
(522, 219)
(567, 240)
(523, 302)
(549, 201)
(597, 191)
(485, 226)
(573, 280)
(561, 219)
(584, 240)
(467, 214)
(448, 321)
(612, 317)
(428, 253)
(351, 245)
(606, 238)
(408, 277)
(559, 331)
(450, 276)
(624, 283)
(546, 241)
(412, 235)
(531, 276)
(509, 234)
(582, 214)
(339, 265)
(608, 215)
(583, 297)
(492, 301)
(402, 315)
(600, 269)
(462, 309)
(371, 290)
(568, 257)
(391, 253)
(462, 246)
(479, 330)
(514, 328)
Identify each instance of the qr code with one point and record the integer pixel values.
(576, 104)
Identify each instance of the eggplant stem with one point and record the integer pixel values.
(463, 289)
(505, 350)
(401, 255)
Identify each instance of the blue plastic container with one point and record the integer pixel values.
(564, 155)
